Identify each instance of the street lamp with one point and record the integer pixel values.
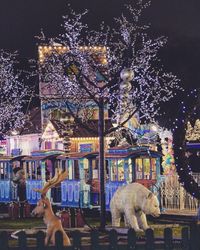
(68, 121)
(102, 162)
(124, 99)
(125, 86)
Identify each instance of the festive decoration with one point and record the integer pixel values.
(168, 163)
(124, 97)
(83, 66)
(44, 208)
(12, 94)
(179, 135)
(90, 72)
(68, 121)
(193, 133)
(134, 201)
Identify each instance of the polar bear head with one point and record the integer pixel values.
(150, 205)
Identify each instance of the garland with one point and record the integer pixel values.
(179, 132)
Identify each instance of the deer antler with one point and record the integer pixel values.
(58, 178)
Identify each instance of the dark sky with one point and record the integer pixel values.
(179, 20)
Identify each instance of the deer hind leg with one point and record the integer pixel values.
(48, 238)
(66, 240)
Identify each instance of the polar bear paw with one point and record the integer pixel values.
(138, 230)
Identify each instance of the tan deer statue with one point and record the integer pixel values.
(44, 209)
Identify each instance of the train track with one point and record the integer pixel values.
(174, 219)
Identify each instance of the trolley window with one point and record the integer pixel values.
(76, 170)
(153, 168)
(117, 170)
(139, 168)
(70, 170)
(120, 168)
(130, 173)
(147, 166)
(4, 170)
(113, 171)
(86, 169)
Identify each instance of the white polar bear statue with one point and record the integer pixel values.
(134, 201)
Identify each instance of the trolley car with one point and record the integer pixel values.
(82, 171)
(82, 186)
(38, 168)
(131, 164)
(123, 165)
(8, 190)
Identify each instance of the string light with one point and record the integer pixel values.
(92, 67)
(13, 94)
(181, 123)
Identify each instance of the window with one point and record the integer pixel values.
(113, 176)
(86, 147)
(139, 168)
(86, 169)
(2, 170)
(76, 170)
(117, 170)
(48, 145)
(153, 168)
(145, 168)
(38, 167)
(70, 170)
(130, 170)
(146, 164)
(33, 170)
(29, 170)
(120, 168)
(95, 169)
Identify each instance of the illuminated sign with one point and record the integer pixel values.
(86, 147)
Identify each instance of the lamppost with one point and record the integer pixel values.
(68, 121)
(125, 86)
(124, 99)
(102, 164)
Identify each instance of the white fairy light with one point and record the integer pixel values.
(77, 74)
(12, 94)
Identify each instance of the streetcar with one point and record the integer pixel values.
(81, 188)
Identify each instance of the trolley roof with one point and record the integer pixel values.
(40, 158)
(11, 158)
(78, 155)
(131, 152)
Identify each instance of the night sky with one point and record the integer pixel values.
(179, 20)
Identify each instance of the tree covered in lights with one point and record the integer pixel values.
(115, 67)
(83, 66)
(12, 95)
(188, 111)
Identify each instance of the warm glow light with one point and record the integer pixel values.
(44, 51)
(154, 128)
(14, 132)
